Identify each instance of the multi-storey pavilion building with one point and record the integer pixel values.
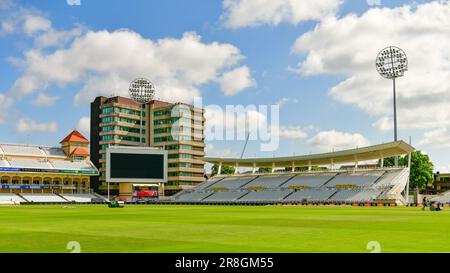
(41, 169)
(175, 127)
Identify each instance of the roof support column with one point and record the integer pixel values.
(356, 162)
(273, 167)
(293, 167)
(236, 167)
(254, 168)
(409, 177)
(219, 171)
(332, 164)
(309, 166)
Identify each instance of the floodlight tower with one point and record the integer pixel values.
(142, 91)
(391, 63)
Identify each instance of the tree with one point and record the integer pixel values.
(302, 169)
(421, 168)
(225, 169)
(264, 170)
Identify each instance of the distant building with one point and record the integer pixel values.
(442, 181)
(40, 169)
(175, 127)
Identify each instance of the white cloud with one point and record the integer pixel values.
(45, 100)
(212, 151)
(437, 138)
(335, 140)
(33, 24)
(6, 4)
(348, 46)
(106, 62)
(55, 38)
(5, 103)
(293, 132)
(246, 13)
(384, 124)
(234, 81)
(84, 125)
(27, 125)
(281, 102)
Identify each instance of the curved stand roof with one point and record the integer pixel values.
(346, 156)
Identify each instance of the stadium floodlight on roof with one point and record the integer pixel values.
(392, 63)
(142, 91)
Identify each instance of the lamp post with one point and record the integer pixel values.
(142, 91)
(391, 63)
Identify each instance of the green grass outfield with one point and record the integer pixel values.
(176, 228)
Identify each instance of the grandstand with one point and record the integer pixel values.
(32, 173)
(346, 185)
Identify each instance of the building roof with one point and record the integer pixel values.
(80, 151)
(346, 156)
(75, 136)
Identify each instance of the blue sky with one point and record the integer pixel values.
(314, 59)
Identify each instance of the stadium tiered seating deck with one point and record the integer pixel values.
(233, 182)
(388, 178)
(309, 180)
(22, 150)
(43, 198)
(53, 152)
(79, 198)
(4, 163)
(194, 196)
(444, 198)
(312, 195)
(209, 182)
(10, 197)
(75, 165)
(357, 179)
(350, 195)
(30, 163)
(269, 181)
(339, 186)
(265, 195)
(225, 196)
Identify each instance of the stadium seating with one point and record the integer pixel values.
(309, 180)
(79, 198)
(265, 195)
(445, 198)
(209, 182)
(22, 150)
(10, 197)
(29, 163)
(388, 178)
(350, 195)
(365, 186)
(358, 179)
(269, 181)
(312, 195)
(4, 163)
(225, 196)
(43, 198)
(53, 152)
(233, 182)
(75, 165)
(193, 196)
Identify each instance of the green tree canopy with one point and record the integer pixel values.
(421, 168)
(265, 170)
(225, 169)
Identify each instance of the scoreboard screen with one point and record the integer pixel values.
(143, 165)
